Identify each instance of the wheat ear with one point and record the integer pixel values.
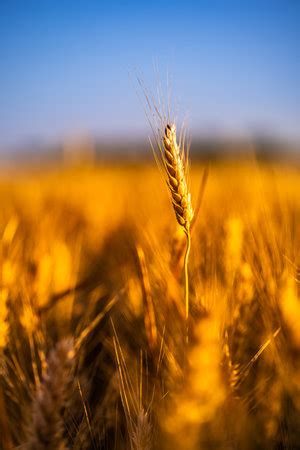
(175, 166)
(142, 432)
(46, 428)
(174, 163)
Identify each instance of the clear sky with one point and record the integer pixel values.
(64, 66)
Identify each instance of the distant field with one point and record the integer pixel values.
(93, 352)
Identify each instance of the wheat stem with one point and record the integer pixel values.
(186, 281)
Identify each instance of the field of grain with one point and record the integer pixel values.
(93, 349)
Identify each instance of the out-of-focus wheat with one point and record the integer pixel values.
(46, 427)
(67, 268)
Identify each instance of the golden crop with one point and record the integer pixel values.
(93, 351)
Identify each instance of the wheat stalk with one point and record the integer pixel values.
(175, 164)
(174, 161)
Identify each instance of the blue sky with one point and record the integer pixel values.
(69, 66)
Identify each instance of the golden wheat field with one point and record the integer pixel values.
(93, 331)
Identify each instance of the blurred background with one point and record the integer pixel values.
(68, 78)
